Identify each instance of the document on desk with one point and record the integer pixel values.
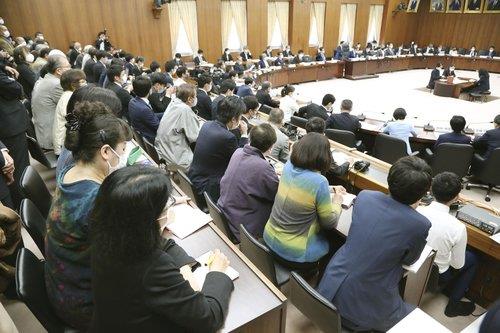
(496, 237)
(201, 272)
(417, 264)
(187, 220)
(339, 157)
(418, 321)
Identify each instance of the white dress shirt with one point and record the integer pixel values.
(289, 106)
(448, 236)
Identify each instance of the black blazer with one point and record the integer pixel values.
(88, 69)
(313, 110)
(159, 102)
(492, 53)
(264, 98)
(287, 53)
(227, 57)
(152, 295)
(435, 75)
(13, 114)
(215, 106)
(320, 57)
(245, 56)
(343, 121)
(296, 59)
(279, 62)
(204, 105)
(72, 55)
(107, 45)
(98, 69)
(123, 95)
(27, 78)
(447, 73)
(197, 60)
(488, 142)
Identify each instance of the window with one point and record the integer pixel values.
(234, 24)
(277, 21)
(375, 23)
(183, 26)
(182, 45)
(313, 31)
(347, 22)
(233, 40)
(276, 41)
(317, 24)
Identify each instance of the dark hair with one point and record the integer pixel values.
(128, 57)
(276, 116)
(101, 54)
(301, 51)
(184, 91)
(265, 85)
(169, 66)
(327, 99)
(346, 105)
(227, 85)
(20, 53)
(262, 137)
(497, 119)
(114, 70)
(139, 59)
(315, 125)
(158, 78)
(226, 49)
(229, 108)
(312, 152)
(123, 222)
(248, 80)
(446, 186)
(200, 51)
(91, 93)
(70, 78)
(44, 52)
(457, 124)
(117, 61)
(251, 103)
(154, 66)
(232, 74)
(439, 64)
(483, 72)
(54, 62)
(399, 114)
(409, 179)
(142, 86)
(90, 126)
(180, 71)
(203, 80)
(287, 89)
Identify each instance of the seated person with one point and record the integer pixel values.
(117, 78)
(320, 56)
(245, 54)
(450, 71)
(250, 183)
(453, 52)
(281, 148)
(435, 75)
(457, 124)
(178, 60)
(252, 110)
(287, 52)
(490, 140)
(448, 236)
(204, 103)
(246, 89)
(315, 125)
(440, 50)
(491, 52)
(344, 120)
(279, 60)
(399, 128)
(314, 110)
(178, 130)
(482, 85)
(299, 57)
(142, 117)
(362, 278)
(264, 96)
(160, 97)
(472, 52)
(268, 51)
(215, 146)
(226, 89)
(97, 140)
(389, 51)
(182, 75)
(138, 273)
(263, 61)
(199, 59)
(288, 103)
(238, 67)
(304, 208)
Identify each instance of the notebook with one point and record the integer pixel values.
(187, 220)
(201, 272)
(417, 264)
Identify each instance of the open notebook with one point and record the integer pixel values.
(201, 272)
(187, 220)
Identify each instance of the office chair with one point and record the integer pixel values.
(30, 287)
(265, 109)
(388, 148)
(452, 157)
(482, 53)
(346, 138)
(187, 187)
(33, 188)
(47, 159)
(151, 151)
(461, 51)
(261, 257)
(219, 218)
(34, 223)
(298, 121)
(314, 306)
(138, 138)
(486, 171)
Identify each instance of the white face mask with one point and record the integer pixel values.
(6, 33)
(2, 22)
(122, 162)
(30, 58)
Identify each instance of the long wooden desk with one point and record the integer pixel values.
(302, 73)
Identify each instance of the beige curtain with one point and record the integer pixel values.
(175, 21)
(187, 12)
(282, 13)
(319, 9)
(271, 19)
(227, 17)
(375, 23)
(347, 22)
(239, 9)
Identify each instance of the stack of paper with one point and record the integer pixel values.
(187, 220)
(201, 272)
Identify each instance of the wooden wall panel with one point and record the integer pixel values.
(209, 28)
(257, 26)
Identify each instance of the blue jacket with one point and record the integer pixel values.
(452, 137)
(362, 279)
(489, 141)
(244, 90)
(143, 119)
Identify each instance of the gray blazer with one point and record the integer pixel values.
(280, 149)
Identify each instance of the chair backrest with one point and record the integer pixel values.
(219, 218)
(187, 187)
(151, 150)
(314, 306)
(488, 173)
(461, 51)
(258, 254)
(265, 109)
(388, 148)
(452, 157)
(30, 287)
(37, 153)
(346, 138)
(138, 138)
(33, 188)
(34, 222)
(298, 121)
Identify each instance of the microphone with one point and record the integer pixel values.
(429, 128)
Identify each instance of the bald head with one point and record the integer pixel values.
(57, 64)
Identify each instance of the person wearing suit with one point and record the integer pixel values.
(215, 146)
(226, 89)
(414, 48)
(178, 60)
(472, 52)
(102, 43)
(439, 6)
(314, 110)
(117, 77)
(88, 68)
(435, 75)
(264, 97)
(246, 89)
(140, 112)
(491, 52)
(263, 61)
(281, 148)
(147, 277)
(27, 78)
(287, 52)
(344, 120)
(170, 69)
(159, 97)
(226, 56)
(299, 57)
(493, 5)
(386, 232)
(100, 66)
(268, 52)
(450, 71)
(455, 5)
(252, 110)
(482, 85)
(199, 59)
(474, 5)
(280, 62)
(320, 56)
(245, 54)
(413, 5)
(389, 51)
(490, 140)
(204, 103)
(457, 124)
(429, 49)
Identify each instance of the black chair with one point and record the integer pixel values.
(187, 187)
(452, 157)
(346, 138)
(30, 287)
(388, 148)
(219, 218)
(138, 138)
(265, 109)
(33, 188)
(151, 151)
(298, 121)
(461, 51)
(486, 171)
(482, 53)
(314, 306)
(34, 222)
(48, 159)
(261, 257)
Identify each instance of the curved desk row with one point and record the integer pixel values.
(303, 73)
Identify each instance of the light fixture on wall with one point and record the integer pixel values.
(400, 7)
(158, 7)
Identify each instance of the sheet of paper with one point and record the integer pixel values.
(339, 157)
(496, 237)
(187, 220)
(201, 272)
(418, 321)
(348, 199)
(417, 264)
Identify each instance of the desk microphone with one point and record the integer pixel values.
(468, 131)
(362, 117)
(429, 128)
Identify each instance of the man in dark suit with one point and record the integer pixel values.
(252, 109)
(226, 89)
(245, 54)
(386, 232)
(493, 5)
(199, 59)
(491, 52)
(279, 60)
(413, 5)
(117, 78)
(100, 65)
(435, 75)
(246, 89)
(450, 71)
(102, 43)
(414, 48)
(314, 110)
(299, 57)
(457, 124)
(141, 114)
(226, 56)
(263, 61)
(344, 120)
(158, 98)
(215, 146)
(204, 105)
(490, 140)
(287, 52)
(320, 56)
(472, 52)
(170, 69)
(474, 5)
(268, 51)
(455, 5)
(88, 69)
(264, 97)
(178, 60)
